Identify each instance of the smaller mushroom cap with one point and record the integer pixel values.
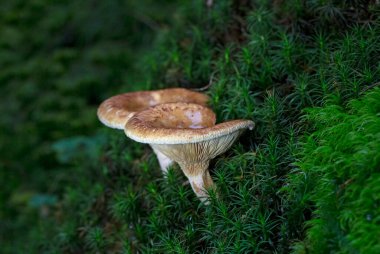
(117, 110)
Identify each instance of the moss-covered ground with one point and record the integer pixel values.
(306, 180)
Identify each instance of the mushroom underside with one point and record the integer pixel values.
(192, 153)
(194, 158)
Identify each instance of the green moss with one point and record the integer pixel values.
(341, 159)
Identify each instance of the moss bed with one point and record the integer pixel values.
(306, 180)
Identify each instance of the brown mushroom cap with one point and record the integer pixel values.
(181, 123)
(117, 110)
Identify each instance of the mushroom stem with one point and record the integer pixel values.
(163, 160)
(199, 178)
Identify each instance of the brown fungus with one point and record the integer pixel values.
(186, 133)
(117, 110)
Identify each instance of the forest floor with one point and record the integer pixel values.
(305, 180)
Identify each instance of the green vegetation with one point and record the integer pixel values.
(338, 173)
(305, 180)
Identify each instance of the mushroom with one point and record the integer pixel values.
(186, 133)
(117, 110)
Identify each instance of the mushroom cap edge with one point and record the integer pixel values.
(138, 130)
